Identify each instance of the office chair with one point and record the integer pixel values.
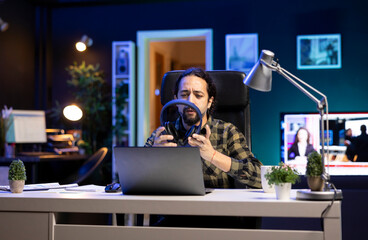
(88, 167)
(232, 103)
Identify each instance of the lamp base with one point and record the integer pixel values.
(319, 195)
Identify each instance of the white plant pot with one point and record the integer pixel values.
(265, 186)
(283, 191)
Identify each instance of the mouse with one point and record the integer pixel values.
(113, 187)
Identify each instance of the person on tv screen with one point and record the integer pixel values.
(301, 146)
(348, 137)
(350, 152)
(359, 146)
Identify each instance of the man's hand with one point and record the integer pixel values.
(208, 153)
(161, 140)
(204, 144)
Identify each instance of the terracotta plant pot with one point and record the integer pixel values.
(16, 186)
(315, 183)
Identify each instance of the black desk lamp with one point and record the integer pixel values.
(260, 78)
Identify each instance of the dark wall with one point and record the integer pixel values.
(17, 54)
(277, 23)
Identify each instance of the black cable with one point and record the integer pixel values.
(325, 211)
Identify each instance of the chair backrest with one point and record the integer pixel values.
(232, 101)
(88, 167)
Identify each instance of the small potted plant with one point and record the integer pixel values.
(83, 147)
(17, 176)
(314, 172)
(282, 177)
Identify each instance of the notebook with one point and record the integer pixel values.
(159, 170)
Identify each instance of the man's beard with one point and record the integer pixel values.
(190, 121)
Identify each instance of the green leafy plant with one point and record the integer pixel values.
(314, 165)
(121, 102)
(92, 94)
(282, 174)
(84, 145)
(5, 122)
(17, 171)
(2, 136)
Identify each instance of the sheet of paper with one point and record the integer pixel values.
(41, 186)
(86, 188)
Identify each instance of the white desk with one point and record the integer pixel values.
(31, 215)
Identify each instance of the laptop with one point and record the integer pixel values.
(159, 170)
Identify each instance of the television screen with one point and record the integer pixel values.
(300, 135)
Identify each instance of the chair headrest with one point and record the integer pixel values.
(231, 91)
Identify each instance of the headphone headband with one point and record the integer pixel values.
(182, 102)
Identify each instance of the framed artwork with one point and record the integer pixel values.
(319, 51)
(241, 51)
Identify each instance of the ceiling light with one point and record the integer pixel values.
(83, 43)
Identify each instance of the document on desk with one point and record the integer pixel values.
(86, 188)
(41, 186)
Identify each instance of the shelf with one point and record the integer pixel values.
(123, 75)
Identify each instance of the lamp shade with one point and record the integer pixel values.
(73, 113)
(260, 77)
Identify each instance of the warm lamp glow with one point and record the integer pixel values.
(73, 113)
(3, 25)
(80, 46)
(83, 43)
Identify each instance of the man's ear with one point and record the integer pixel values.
(209, 104)
(175, 97)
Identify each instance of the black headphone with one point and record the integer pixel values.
(170, 127)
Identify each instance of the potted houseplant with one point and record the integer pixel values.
(282, 177)
(17, 176)
(5, 122)
(91, 90)
(84, 147)
(314, 172)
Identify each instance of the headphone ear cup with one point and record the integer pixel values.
(171, 130)
(188, 134)
(179, 139)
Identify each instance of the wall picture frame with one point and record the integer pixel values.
(241, 51)
(319, 51)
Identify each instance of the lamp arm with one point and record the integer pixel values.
(293, 80)
(321, 105)
(301, 88)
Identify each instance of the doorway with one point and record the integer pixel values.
(166, 56)
(158, 53)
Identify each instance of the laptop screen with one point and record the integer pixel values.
(159, 170)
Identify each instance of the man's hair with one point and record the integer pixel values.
(296, 139)
(211, 87)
